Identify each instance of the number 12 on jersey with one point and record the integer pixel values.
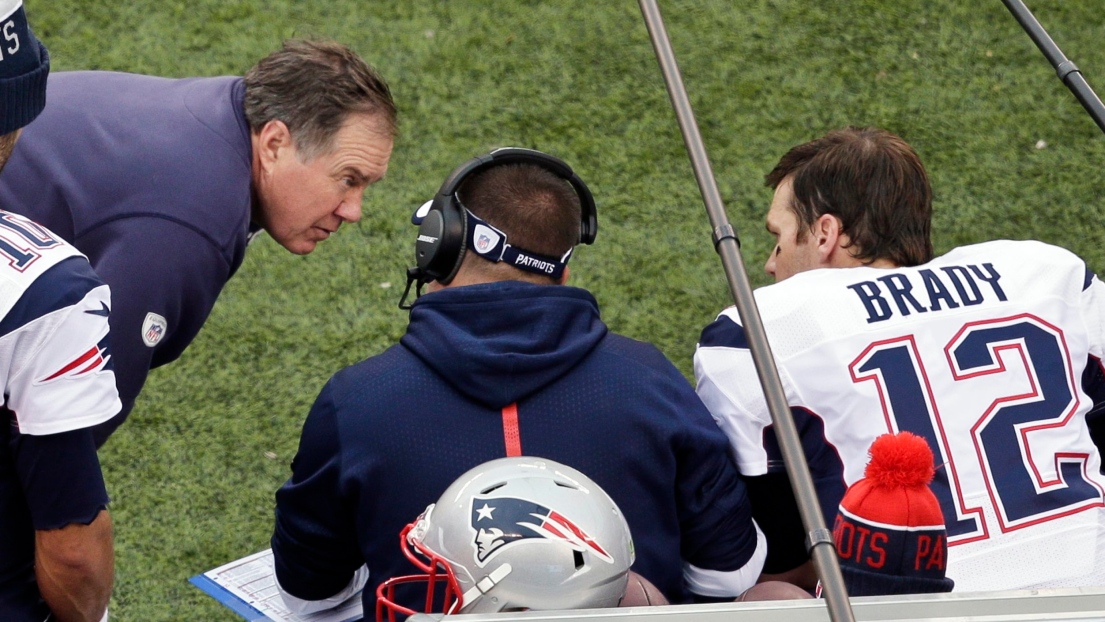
(1009, 437)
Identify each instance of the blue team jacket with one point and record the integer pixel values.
(387, 436)
(150, 178)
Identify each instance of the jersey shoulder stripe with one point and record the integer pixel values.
(724, 332)
(62, 285)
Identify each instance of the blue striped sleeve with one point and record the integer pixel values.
(725, 333)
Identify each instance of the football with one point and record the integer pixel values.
(773, 590)
(640, 592)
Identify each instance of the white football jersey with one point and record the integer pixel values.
(982, 353)
(55, 366)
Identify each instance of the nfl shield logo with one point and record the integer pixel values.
(153, 329)
(485, 239)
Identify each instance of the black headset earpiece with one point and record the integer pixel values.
(443, 232)
(442, 240)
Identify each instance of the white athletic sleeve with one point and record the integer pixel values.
(1093, 311)
(727, 383)
(718, 584)
(60, 376)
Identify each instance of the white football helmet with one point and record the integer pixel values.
(514, 534)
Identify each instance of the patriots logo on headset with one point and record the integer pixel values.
(501, 521)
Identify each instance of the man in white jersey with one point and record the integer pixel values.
(991, 353)
(56, 377)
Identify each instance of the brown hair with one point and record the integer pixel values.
(535, 208)
(7, 144)
(313, 87)
(873, 181)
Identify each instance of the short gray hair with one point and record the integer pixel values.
(313, 86)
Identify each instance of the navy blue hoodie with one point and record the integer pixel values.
(150, 179)
(388, 435)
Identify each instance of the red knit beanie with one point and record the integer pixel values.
(889, 532)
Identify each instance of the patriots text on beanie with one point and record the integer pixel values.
(889, 531)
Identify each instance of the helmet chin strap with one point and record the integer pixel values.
(482, 587)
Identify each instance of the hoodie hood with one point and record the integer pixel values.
(497, 343)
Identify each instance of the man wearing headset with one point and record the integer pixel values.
(501, 358)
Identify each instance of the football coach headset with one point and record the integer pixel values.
(447, 230)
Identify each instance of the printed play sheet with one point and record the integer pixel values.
(248, 587)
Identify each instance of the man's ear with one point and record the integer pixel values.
(831, 239)
(564, 275)
(273, 137)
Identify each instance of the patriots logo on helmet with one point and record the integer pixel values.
(501, 521)
(95, 359)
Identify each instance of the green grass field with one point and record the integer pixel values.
(192, 474)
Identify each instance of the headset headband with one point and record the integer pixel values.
(589, 226)
(446, 230)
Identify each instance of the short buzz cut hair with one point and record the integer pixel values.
(536, 209)
(313, 86)
(873, 182)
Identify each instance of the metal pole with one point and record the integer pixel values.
(725, 241)
(1067, 70)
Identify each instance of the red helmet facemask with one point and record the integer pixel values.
(434, 569)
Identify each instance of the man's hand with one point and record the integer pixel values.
(75, 568)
